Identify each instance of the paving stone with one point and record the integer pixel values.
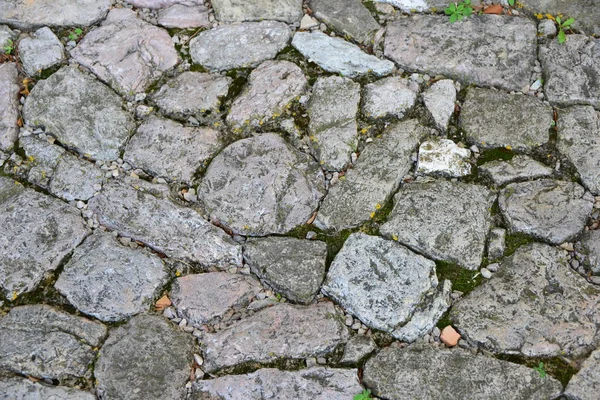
(40, 341)
(182, 149)
(41, 50)
(585, 384)
(24, 389)
(264, 174)
(151, 218)
(535, 305)
(589, 247)
(243, 45)
(81, 113)
(9, 105)
(519, 168)
(373, 180)
(201, 298)
(338, 56)
(183, 17)
(7, 36)
(349, 17)
(443, 157)
(109, 281)
(486, 50)
(281, 331)
(357, 348)
(156, 4)
(585, 12)
(434, 373)
(75, 179)
(315, 383)
(411, 6)
(548, 210)
(440, 100)
(496, 243)
(289, 11)
(446, 221)
(42, 159)
(293, 267)
(38, 231)
(147, 346)
(489, 120)
(388, 97)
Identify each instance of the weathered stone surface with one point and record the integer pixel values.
(42, 342)
(410, 6)
(37, 233)
(75, 179)
(109, 281)
(357, 348)
(184, 17)
(375, 177)
(338, 56)
(271, 87)
(585, 12)
(307, 384)
(182, 149)
(289, 11)
(519, 168)
(24, 389)
(147, 346)
(40, 51)
(81, 112)
(443, 157)
(589, 247)
(388, 97)
(552, 211)
(536, 306)
(7, 36)
(9, 105)
(486, 50)
(496, 243)
(434, 373)
(283, 330)
(489, 120)
(585, 384)
(154, 4)
(293, 267)
(151, 218)
(201, 298)
(446, 221)
(440, 100)
(42, 159)
(242, 45)
(349, 17)
(264, 174)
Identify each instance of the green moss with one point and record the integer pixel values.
(198, 68)
(515, 240)
(311, 70)
(370, 5)
(495, 154)
(334, 241)
(462, 279)
(444, 321)
(556, 367)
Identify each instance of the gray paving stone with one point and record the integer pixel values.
(9, 105)
(41, 50)
(157, 4)
(7, 36)
(24, 389)
(589, 247)
(585, 384)
(289, 11)
(75, 179)
(496, 243)
(388, 97)
(42, 159)
(519, 168)
(357, 348)
(438, 156)
(349, 17)
(183, 17)
(585, 12)
(440, 100)
(411, 6)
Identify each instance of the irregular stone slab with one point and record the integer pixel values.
(496, 243)
(42, 342)
(176, 231)
(357, 348)
(154, 4)
(349, 17)
(9, 105)
(486, 50)
(443, 157)
(38, 231)
(293, 267)
(536, 306)
(434, 373)
(411, 6)
(338, 56)
(201, 298)
(28, 15)
(40, 51)
(147, 345)
(283, 330)
(489, 120)
(42, 157)
(289, 11)
(307, 384)
(24, 389)
(126, 52)
(375, 177)
(183, 17)
(440, 100)
(552, 211)
(81, 112)
(7, 36)
(75, 179)
(271, 87)
(243, 45)
(446, 221)
(280, 186)
(182, 149)
(589, 247)
(388, 97)
(579, 140)
(519, 168)
(585, 384)
(585, 12)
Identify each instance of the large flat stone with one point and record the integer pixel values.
(41, 50)
(440, 100)
(585, 384)
(289, 11)
(9, 105)
(411, 6)
(585, 12)
(157, 4)
(389, 97)
(23, 389)
(183, 17)
(438, 156)
(42, 159)
(349, 17)
(519, 168)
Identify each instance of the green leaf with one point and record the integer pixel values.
(460, 17)
(558, 20)
(561, 36)
(453, 18)
(460, 8)
(467, 2)
(468, 11)
(511, 2)
(450, 9)
(568, 22)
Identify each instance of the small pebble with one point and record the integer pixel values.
(493, 267)
(311, 235)
(485, 273)
(449, 336)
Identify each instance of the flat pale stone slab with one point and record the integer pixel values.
(42, 157)
(519, 168)
(9, 105)
(24, 389)
(289, 11)
(183, 17)
(443, 157)
(155, 4)
(585, 384)
(349, 17)
(411, 6)
(41, 50)
(388, 97)
(440, 100)
(589, 247)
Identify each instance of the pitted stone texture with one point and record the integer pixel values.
(271, 87)
(75, 179)
(589, 248)
(410, 6)
(443, 157)
(388, 97)
(170, 150)
(42, 159)
(519, 168)
(308, 384)
(293, 267)
(261, 185)
(38, 231)
(357, 348)
(338, 56)
(9, 105)
(7, 36)
(486, 50)
(24, 389)
(552, 211)
(183, 17)
(456, 374)
(446, 221)
(585, 12)
(147, 346)
(201, 298)
(349, 17)
(289, 11)
(243, 45)
(375, 177)
(40, 51)
(145, 215)
(535, 305)
(585, 384)
(109, 281)
(489, 119)
(440, 100)
(281, 331)
(27, 15)
(154, 4)
(42, 342)
(579, 140)
(81, 112)
(496, 243)
(126, 52)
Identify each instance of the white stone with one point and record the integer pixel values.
(443, 157)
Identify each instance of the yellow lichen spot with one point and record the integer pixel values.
(246, 227)
(377, 206)
(177, 273)
(30, 158)
(260, 122)
(14, 296)
(364, 131)
(322, 163)
(15, 168)
(44, 174)
(539, 16)
(136, 187)
(276, 115)
(343, 178)
(549, 16)
(17, 183)
(395, 237)
(216, 124)
(372, 215)
(433, 9)
(508, 147)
